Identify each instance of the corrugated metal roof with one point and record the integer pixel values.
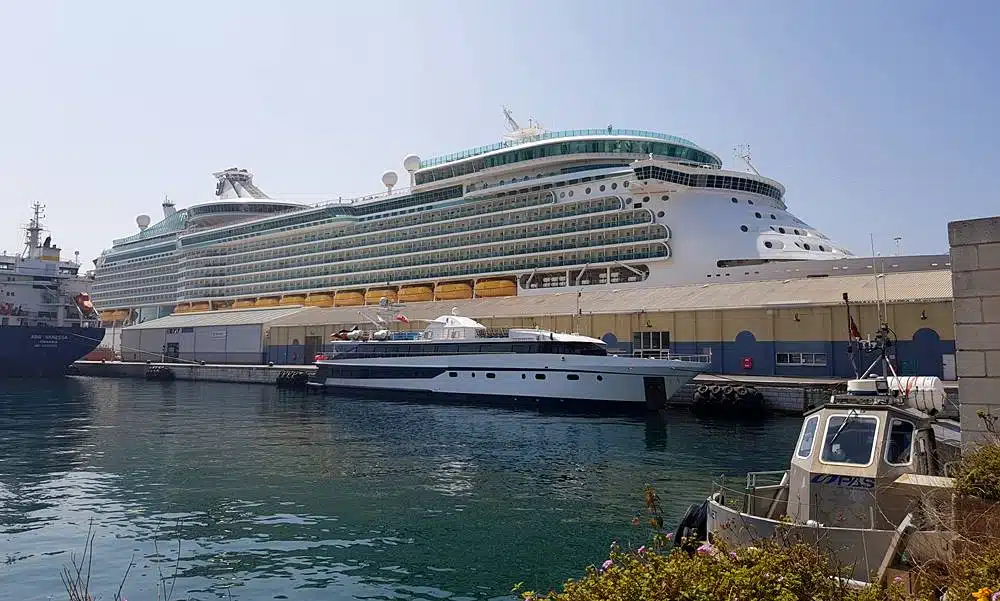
(239, 317)
(898, 288)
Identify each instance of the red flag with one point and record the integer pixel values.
(402, 318)
(854, 329)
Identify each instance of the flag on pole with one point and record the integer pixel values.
(855, 334)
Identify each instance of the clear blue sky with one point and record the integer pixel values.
(879, 117)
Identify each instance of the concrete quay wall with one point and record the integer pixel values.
(783, 395)
(975, 257)
(238, 374)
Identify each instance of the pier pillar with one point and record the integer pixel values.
(975, 279)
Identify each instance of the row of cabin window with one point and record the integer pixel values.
(855, 443)
(491, 375)
(395, 349)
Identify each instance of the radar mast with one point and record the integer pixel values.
(34, 230)
(743, 154)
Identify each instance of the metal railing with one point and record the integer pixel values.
(668, 354)
(550, 135)
(759, 495)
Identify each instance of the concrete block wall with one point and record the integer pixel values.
(975, 266)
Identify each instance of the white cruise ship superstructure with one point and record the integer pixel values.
(537, 213)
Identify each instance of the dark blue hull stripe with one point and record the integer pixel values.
(43, 351)
(467, 399)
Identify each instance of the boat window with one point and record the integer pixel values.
(539, 376)
(572, 377)
(899, 447)
(452, 374)
(808, 436)
(490, 375)
(850, 439)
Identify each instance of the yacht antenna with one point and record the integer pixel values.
(882, 311)
(743, 154)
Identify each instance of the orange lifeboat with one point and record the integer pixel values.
(244, 303)
(373, 295)
(348, 298)
(416, 294)
(182, 308)
(83, 301)
(266, 301)
(493, 288)
(292, 299)
(319, 300)
(202, 306)
(453, 291)
(221, 305)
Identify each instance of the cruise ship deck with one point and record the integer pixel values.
(541, 212)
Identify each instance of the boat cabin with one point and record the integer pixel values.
(867, 467)
(848, 466)
(457, 335)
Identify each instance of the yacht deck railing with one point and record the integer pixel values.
(668, 354)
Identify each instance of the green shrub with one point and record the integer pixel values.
(766, 572)
(974, 573)
(979, 471)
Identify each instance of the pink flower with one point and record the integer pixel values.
(670, 536)
(635, 521)
(642, 549)
(994, 597)
(705, 549)
(899, 580)
(732, 555)
(607, 564)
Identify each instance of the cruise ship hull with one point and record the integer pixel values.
(567, 381)
(31, 351)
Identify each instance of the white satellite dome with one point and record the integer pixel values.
(142, 221)
(389, 179)
(411, 163)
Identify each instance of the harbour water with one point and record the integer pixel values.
(282, 495)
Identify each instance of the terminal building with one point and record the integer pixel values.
(777, 327)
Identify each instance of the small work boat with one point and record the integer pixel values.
(867, 481)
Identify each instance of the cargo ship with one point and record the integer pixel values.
(540, 212)
(47, 318)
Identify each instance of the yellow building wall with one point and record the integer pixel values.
(787, 324)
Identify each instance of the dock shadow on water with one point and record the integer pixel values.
(282, 495)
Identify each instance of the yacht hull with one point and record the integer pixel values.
(571, 381)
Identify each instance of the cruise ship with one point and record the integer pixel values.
(536, 213)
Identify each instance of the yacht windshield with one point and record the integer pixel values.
(850, 439)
